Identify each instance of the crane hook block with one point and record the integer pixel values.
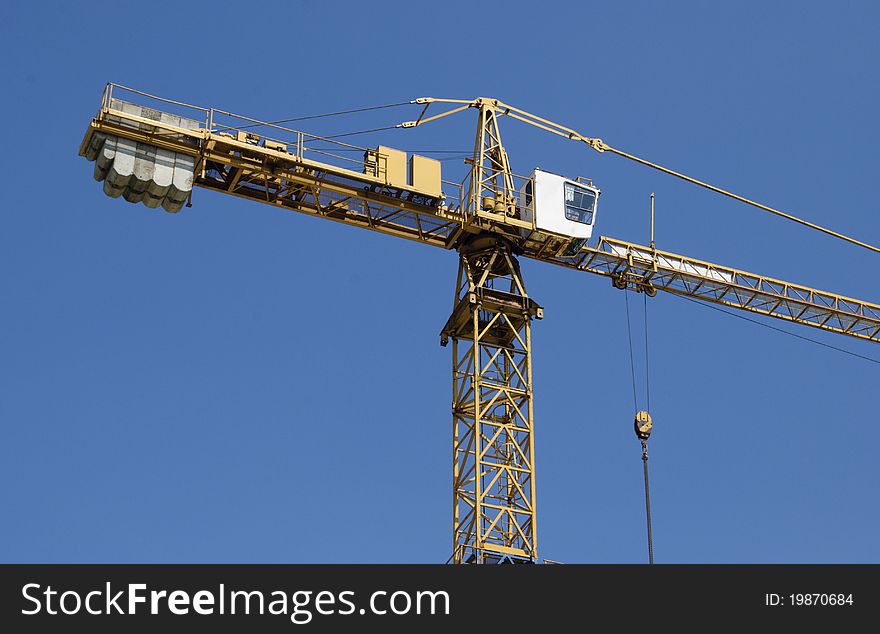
(643, 425)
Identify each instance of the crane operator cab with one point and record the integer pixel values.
(562, 211)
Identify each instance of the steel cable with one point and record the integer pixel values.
(321, 116)
(647, 359)
(632, 363)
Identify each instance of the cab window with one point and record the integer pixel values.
(579, 203)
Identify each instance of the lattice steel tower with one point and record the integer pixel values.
(493, 418)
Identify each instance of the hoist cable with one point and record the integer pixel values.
(647, 358)
(632, 363)
(632, 367)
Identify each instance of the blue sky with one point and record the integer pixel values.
(240, 384)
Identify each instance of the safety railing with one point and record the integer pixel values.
(268, 134)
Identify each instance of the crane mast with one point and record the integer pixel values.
(493, 441)
(485, 219)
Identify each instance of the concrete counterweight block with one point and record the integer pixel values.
(163, 169)
(104, 157)
(95, 146)
(181, 183)
(121, 169)
(142, 176)
(141, 172)
(163, 172)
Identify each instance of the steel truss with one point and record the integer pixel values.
(493, 421)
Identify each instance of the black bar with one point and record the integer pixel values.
(561, 597)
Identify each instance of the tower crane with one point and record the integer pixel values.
(491, 219)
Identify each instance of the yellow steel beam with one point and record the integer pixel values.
(646, 269)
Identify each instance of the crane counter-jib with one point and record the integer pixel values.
(241, 163)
